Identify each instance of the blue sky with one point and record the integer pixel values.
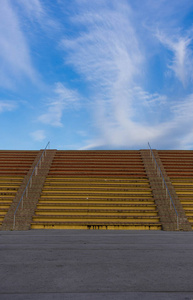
(96, 74)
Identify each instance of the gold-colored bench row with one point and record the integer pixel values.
(9, 186)
(96, 203)
(184, 190)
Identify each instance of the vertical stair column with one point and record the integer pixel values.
(184, 224)
(8, 219)
(24, 216)
(167, 215)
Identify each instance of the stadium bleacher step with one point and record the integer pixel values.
(97, 225)
(14, 165)
(96, 190)
(179, 168)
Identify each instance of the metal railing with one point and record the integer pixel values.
(29, 184)
(159, 173)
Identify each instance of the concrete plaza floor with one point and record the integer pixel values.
(93, 265)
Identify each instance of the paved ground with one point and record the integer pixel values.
(93, 265)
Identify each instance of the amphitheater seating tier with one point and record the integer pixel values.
(14, 165)
(96, 190)
(179, 167)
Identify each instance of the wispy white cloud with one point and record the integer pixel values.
(113, 47)
(33, 9)
(175, 132)
(181, 63)
(6, 105)
(182, 122)
(107, 51)
(16, 48)
(37, 12)
(38, 135)
(109, 55)
(64, 98)
(15, 57)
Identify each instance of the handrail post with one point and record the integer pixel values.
(14, 221)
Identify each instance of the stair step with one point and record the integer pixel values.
(97, 225)
(86, 189)
(6, 199)
(4, 190)
(88, 218)
(184, 193)
(95, 189)
(96, 186)
(96, 196)
(81, 212)
(1, 217)
(4, 205)
(5, 193)
(3, 211)
(96, 206)
(188, 207)
(51, 178)
(189, 213)
(84, 193)
(97, 201)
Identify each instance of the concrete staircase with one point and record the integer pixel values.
(14, 166)
(179, 168)
(96, 190)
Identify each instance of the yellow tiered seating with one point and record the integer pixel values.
(179, 167)
(184, 190)
(8, 189)
(96, 190)
(14, 165)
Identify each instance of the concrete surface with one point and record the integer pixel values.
(89, 265)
